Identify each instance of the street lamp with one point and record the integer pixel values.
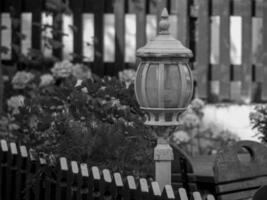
(163, 88)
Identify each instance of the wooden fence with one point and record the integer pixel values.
(24, 175)
(205, 26)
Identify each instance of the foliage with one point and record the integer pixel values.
(94, 120)
(258, 119)
(196, 138)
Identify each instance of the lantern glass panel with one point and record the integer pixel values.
(138, 84)
(152, 86)
(172, 86)
(189, 86)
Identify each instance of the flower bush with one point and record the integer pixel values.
(197, 138)
(21, 79)
(80, 116)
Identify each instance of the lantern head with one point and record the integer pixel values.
(164, 82)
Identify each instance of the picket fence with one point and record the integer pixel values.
(25, 175)
(208, 27)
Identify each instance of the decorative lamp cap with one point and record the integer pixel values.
(164, 45)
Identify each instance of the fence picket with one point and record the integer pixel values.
(183, 21)
(42, 194)
(86, 188)
(63, 181)
(15, 11)
(224, 60)
(246, 90)
(119, 11)
(182, 193)
(197, 196)
(202, 49)
(75, 181)
(155, 193)
(264, 50)
(131, 189)
(22, 160)
(106, 186)
(143, 189)
(77, 8)
(118, 185)
(95, 179)
(4, 168)
(36, 8)
(168, 193)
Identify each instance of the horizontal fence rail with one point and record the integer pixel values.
(25, 175)
(227, 38)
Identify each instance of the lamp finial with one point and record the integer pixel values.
(164, 23)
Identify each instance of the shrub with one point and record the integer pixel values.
(258, 119)
(94, 120)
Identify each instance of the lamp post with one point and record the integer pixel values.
(163, 88)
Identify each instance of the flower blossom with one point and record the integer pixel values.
(46, 79)
(128, 76)
(62, 69)
(81, 72)
(15, 102)
(21, 79)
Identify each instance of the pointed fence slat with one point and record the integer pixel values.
(72, 180)
(119, 12)
(203, 49)
(224, 60)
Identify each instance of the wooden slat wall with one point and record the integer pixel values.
(223, 80)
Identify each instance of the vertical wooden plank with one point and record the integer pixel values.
(57, 26)
(161, 4)
(4, 169)
(15, 11)
(264, 55)
(36, 7)
(63, 190)
(86, 187)
(106, 186)
(224, 59)
(77, 9)
(99, 38)
(1, 70)
(246, 88)
(202, 49)
(140, 11)
(183, 21)
(143, 189)
(75, 181)
(119, 11)
(98, 10)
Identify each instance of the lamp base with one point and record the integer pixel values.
(163, 117)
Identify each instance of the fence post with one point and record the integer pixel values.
(1, 70)
(163, 156)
